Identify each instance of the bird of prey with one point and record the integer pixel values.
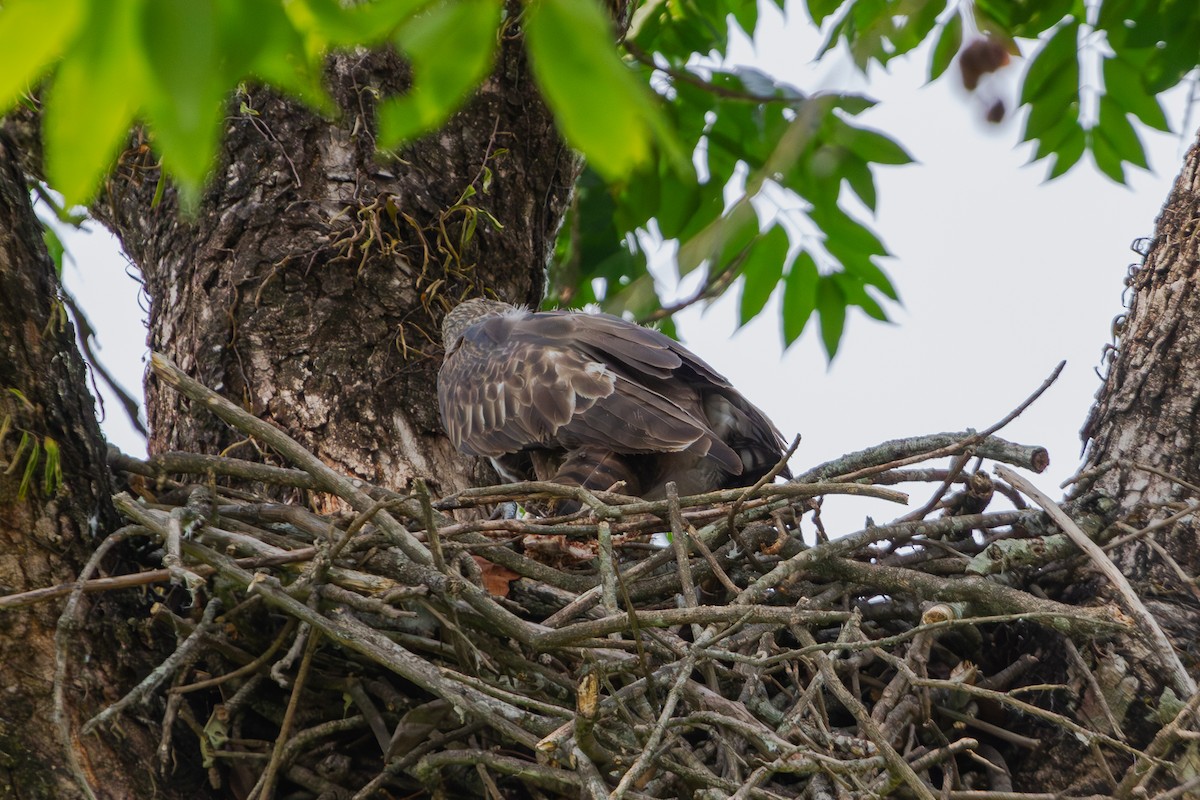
(592, 400)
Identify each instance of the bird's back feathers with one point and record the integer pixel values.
(514, 380)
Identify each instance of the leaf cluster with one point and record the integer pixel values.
(172, 65)
(687, 152)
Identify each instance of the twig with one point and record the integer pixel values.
(650, 747)
(1184, 684)
(1140, 772)
(184, 654)
(69, 623)
(266, 783)
(1040, 460)
(897, 765)
(900, 452)
(848, 544)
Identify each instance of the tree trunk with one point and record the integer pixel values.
(309, 287)
(47, 533)
(311, 284)
(1147, 415)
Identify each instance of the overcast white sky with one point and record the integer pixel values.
(1001, 278)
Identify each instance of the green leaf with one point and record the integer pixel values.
(761, 271)
(856, 294)
(831, 308)
(638, 297)
(1029, 18)
(1059, 137)
(843, 28)
(740, 232)
(998, 10)
(1068, 153)
(1176, 59)
(52, 469)
(861, 180)
(1123, 83)
(1054, 66)
(948, 44)
(746, 14)
(55, 247)
(820, 9)
(1106, 158)
(720, 239)
(917, 25)
(33, 34)
(100, 81)
(871, 274)
(1115, 129)
(184, 105)
(602, 108)
(338, 24)
(679, 200)
(799, 296)
(872, 146)
(259, 40)
(451, 48)
(847, 231)
(1061, 100)
(872, 22)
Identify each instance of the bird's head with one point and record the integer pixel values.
(466, 314)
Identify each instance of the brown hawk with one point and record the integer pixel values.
(591, 400)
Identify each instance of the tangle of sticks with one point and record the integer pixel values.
(723, 645)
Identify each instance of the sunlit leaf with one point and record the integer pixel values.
(336, 23)
(186, 86)
(260, 40)
(451, 48)
(600, 105)
(33, 33)
(101, 82)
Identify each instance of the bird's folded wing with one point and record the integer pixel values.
(544, 380)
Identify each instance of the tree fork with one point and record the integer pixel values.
(310, 285)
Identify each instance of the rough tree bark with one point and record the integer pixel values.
(46, 538)
(1148, 413)
(311, 284)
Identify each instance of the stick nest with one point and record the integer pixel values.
(712, 646)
